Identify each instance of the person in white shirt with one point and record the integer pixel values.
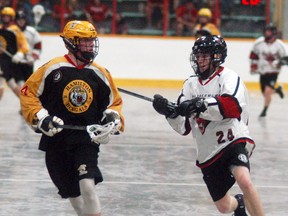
(34, 40)
(265, 59)
(213, 105)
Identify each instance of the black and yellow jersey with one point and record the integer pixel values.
(208, 29)
(77, 95)
(21, 41)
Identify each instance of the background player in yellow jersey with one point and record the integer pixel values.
(205, 26)
(75, 90)
(13, 47)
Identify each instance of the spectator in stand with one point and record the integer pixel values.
(5, 3)
(75, 10)
(98, 13)
(154, 13)
(205, 26)
(186, 16)
(121, 24)
(57, 11)
(26, 6)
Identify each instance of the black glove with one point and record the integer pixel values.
(188, 107)
(164, 107)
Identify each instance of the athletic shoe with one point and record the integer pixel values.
(263, 113)
(280, 91)
(240, 211)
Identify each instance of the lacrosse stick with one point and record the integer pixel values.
(170, 105)
(5, 51)
(38, 11)
(98, 133)
(284, 60)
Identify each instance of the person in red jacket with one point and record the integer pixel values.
(186, 16)
(98, 13)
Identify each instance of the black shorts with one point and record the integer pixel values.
(67, 166)
(8, 68)
(218, 176)
(24, 71)
(268, 80)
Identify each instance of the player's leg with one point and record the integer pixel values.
(2, 87)
(91, 203)
(14, 87)
(279, 89)
(86, 164)
(219, 180)
(78, 204)
(227, 204)
(267, 92)
(251, 197)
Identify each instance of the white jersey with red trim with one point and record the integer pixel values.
(224, 122)
(35, 42)
(267, 55)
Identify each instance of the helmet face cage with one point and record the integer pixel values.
(273, 29)
(213, 45)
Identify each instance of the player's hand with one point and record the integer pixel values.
(47, 125)
(194, 106)
(253, 68)
(276, 64)
(112, 116)
(19, 56)
(164, 107)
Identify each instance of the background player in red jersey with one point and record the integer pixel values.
(265, 59)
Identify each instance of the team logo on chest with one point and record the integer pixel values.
(77, 96)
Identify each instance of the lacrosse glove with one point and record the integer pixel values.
(193, 106)
(110, 115)
(19, 56)
(164, 107)
(48, 125)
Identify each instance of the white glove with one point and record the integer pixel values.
(47, 125)
(113, 116)
(275, 64)
(19, 56)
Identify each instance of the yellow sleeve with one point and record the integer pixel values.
(213, 29)
(30, 103)
(22, 43)
(116, 102)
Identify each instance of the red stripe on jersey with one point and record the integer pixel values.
(229, 106)
(187, 127)
(204, 82)
(253, 56)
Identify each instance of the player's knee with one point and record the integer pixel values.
(223, 207)
(244, 182)
(90, 198)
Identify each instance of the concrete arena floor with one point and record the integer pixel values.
(148, 171)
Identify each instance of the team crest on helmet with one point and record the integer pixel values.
(77, 96)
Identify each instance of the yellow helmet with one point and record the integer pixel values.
(206, 12)
(76, 30)
(79, 29)
(9, 11)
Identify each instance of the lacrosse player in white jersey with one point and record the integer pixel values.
(265, 59)
(213, 105)
(34, 40)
